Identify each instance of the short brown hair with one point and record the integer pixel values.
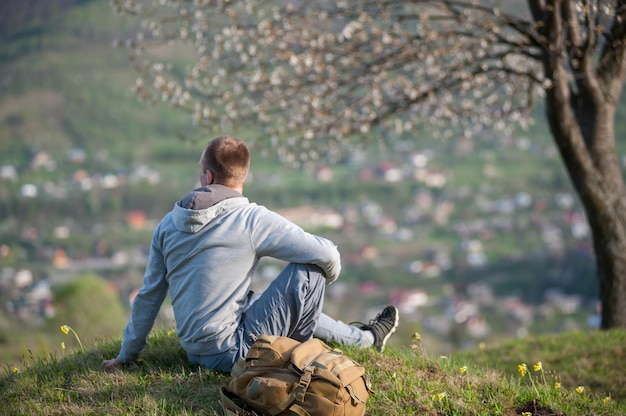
(229, 160)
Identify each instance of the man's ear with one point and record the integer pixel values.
(209, 177)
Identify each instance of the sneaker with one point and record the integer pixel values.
(383, 326)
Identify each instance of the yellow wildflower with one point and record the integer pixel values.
(441, 396)
(66, 329)
(417, 336)
(463, 369)
(63, 345)
(557, 385)
(527, 414)
(522, 369)
(482, 346)
(607, 399)
(538, 366)
(580, 389)
(15, 370)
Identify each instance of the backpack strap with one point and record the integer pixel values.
(295, 408)
(338, 369)
(354, 396)
(238, 368)
(330, 356)
(296, 395)
(230, 407)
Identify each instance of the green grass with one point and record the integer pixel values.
(405, 380)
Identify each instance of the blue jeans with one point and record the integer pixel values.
(291, 306)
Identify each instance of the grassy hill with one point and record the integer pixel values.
(588, 367)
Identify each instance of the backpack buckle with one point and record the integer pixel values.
(303, 383)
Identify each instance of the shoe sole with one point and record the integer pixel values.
(391, 331)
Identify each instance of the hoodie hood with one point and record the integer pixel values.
(200, 206)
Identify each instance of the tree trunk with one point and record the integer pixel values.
(581, 101)
(610, 248)
(583, 132)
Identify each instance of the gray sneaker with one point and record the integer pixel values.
(383, 326)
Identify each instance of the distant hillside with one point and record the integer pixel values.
(23, 17)
(65, 86)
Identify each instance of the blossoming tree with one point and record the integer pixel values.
(325, 76)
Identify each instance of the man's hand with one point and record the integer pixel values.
(111, 364)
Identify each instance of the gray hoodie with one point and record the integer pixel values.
(205, 251)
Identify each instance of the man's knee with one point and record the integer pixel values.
(305, 279)
(308, 272)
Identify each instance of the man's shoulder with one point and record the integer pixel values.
(262, 212)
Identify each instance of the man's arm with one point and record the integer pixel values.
(278, 237)
(144, 311)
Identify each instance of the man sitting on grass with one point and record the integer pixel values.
(205, 252)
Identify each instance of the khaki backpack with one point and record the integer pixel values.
(281, 376)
